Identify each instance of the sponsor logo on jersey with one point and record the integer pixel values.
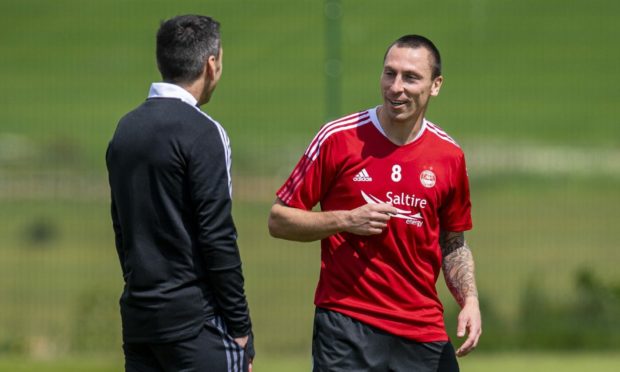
(401, 199)
(427, 178)
(362, 176)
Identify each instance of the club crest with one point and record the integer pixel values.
(427, 178)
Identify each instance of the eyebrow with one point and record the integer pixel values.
(406, 72)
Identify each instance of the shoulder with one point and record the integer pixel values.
(188, 123)
(195, 116)
(210, 123)
(197, 121)
(210, 135)
(442, 138)
(175, 110)
(339, 129)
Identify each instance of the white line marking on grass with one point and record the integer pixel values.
(486, 158)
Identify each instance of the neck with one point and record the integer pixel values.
(400, 132)
(196, 89)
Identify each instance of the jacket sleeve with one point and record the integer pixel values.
(116, 224)
(118, 235)
(209, 179)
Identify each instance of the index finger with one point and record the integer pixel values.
(469, 344)
(384, 208)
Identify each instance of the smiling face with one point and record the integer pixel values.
(407, 84)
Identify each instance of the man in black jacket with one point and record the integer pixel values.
(183, 305)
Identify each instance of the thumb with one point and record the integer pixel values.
(460, 328)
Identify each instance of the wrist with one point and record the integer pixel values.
(341, 221)
(242, 341)
(471, 300)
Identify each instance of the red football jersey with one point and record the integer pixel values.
(386, 280)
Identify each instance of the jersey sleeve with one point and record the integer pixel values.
(455, 213)
(310, 178)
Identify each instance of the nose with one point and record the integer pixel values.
(397, 85)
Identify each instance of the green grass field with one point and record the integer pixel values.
(47, 290)
(531, 94)
(506, 362)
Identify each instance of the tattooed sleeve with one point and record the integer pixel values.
(458, 266)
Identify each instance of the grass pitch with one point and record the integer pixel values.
(506, 362)
(541, 73)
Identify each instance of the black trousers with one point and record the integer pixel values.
(340, 343)
(212, 350)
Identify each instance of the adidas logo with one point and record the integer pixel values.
(362, 176)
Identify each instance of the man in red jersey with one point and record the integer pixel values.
(394, 198)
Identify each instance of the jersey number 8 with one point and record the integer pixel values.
(396, 173)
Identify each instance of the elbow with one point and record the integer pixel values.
(274, 224)
(284, 223)
(273, 227)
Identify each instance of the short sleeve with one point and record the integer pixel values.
(309, 180)
(455, 213)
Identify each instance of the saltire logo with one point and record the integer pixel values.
(401, 213)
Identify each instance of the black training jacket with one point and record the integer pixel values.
(169, 172)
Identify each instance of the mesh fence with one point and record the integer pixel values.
(523, 95)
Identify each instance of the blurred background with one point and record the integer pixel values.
(531, 94)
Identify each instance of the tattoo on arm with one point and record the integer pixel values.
(450, 242)
(458, 266)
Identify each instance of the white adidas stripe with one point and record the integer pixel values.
(328, 129)
(440, 133)
(314, 153)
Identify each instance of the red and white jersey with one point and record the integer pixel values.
(386, 280)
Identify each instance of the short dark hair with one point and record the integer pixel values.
(418, 41)
(184, 43)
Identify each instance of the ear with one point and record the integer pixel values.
(211, 67)
(436, 85)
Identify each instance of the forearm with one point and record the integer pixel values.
(458, 267)
(218, 243)
(118, 236)
(227, 287)
(224, 275)
(304, 226)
